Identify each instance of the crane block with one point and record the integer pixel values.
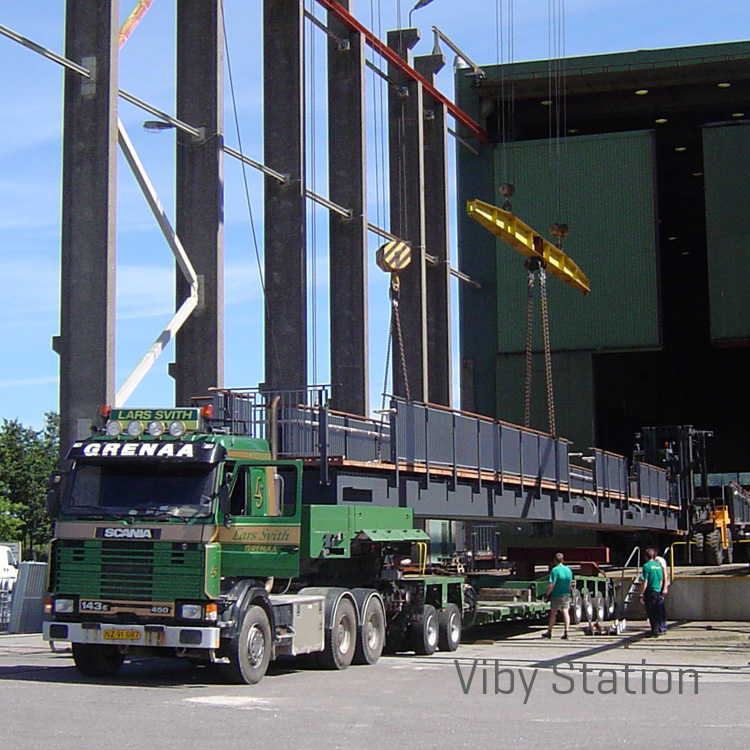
(529, 243)
(394, 256)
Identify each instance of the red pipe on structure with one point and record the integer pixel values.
(385, 51)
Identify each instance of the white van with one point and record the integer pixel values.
(8, 568)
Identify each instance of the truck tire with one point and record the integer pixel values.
(697, 544)
(424, 632)
(576, 607)
(588, 605)
(713, 548)
(449, 628)
(610, 604)
(97, 660)
(600, 611)
(371, 633)
(471, 605)
(249, 653)
(341, 638)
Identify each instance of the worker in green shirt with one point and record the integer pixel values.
(653, 591)
(558, 593)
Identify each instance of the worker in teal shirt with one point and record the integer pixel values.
(558, 593)
(653, 591)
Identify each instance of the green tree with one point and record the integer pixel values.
(27, 457)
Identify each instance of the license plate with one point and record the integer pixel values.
(121, 635)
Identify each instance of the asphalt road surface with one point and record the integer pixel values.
(509, 689)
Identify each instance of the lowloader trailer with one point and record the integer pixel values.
(256, 525)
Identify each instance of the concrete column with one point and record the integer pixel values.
(438, 276)
(86, 342)
(348, 237)
(285, 236)
(406, 146)
(199, 359)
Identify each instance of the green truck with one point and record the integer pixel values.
(176, 539)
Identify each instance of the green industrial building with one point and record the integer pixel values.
(645, 156)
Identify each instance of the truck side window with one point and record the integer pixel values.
(238, 494)
(285, 483)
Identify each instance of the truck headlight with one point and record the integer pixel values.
(113, 429)
(177, 428)
(155, 428)
(135, 428)
(191, 611)
(64, 606)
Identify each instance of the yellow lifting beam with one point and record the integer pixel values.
(528, 242)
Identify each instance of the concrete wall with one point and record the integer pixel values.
(709, 598)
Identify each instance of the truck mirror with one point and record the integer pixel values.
(224, 506)
(54, 484)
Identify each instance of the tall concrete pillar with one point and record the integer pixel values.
(87, 286)
(348, 237)
(285, 236)
(199, 359)
(438, 276)
(406, 147)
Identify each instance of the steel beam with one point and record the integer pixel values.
(87, 284)
(406, 150)
(285, 217)
(438, 276)
(348, 236)
(395, 60)
(199, 345)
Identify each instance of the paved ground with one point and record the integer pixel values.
(509, 688)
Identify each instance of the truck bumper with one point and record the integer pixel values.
(132, 635)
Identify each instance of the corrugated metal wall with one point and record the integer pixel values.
(726, 157)
(603, 187)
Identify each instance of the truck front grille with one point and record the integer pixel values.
(135, 571)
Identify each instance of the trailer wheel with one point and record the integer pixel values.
(610, 604)
(424, 632)
(576, 607)
(371, 633)
(341, 639)
(697, 543)
(97, 660)
(449, 628)
(599, 610)
(249, 653)
(713, 548)
(588, 605)
(469, 614)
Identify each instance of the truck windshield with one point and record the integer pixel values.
(141, 490)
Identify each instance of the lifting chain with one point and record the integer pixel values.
(533, 267)
(529, 342)
(547, 351)
(396, 319)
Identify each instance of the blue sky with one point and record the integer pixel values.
(30, 164)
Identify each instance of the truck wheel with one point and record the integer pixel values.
(599, 609)
(250, 652)
(371, 633)
(610, 604)
(576, 607)
(471, 604)
(449, 628)
(714, 550)
(588, 605)
(97, 660)
(424, 632)
(341, 639)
